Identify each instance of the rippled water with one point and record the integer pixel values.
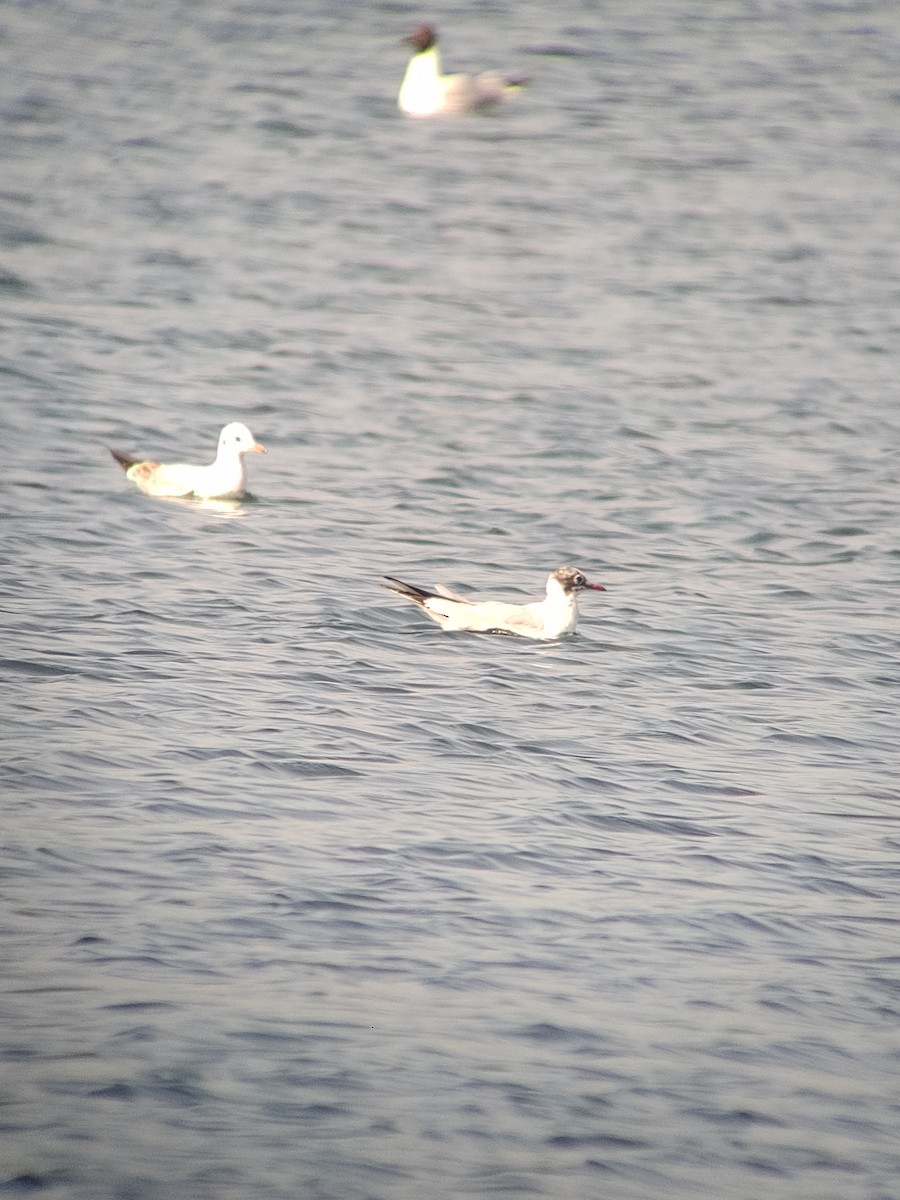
(304, 897)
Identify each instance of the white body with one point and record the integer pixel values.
(552, 617)
(425, 92)
(225, 479)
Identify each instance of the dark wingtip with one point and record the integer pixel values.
(408, 590)
(397, 585)
(125, 461)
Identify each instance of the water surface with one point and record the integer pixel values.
(304, 897)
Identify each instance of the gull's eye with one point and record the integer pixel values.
(580, 581)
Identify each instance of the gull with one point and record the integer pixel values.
(425, 91)
(545, 619)
(225, 479)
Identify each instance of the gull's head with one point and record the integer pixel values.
(570, 581)
(237, 439)
(422, 38)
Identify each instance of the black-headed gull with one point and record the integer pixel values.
(425, 92)
(225, 479)
(555, 615)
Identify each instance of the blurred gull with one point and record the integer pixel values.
(426, 92)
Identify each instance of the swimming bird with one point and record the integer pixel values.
(551, 617)
(425, 92)
(225, 479)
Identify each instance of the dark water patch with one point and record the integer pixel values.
(140, 1006)
(172, 258)
(178, 1088)
(305, 769)
(550, 1033)
(308, 1114)
(32, 667)
(27, 1183)
(857, 815)
(33, 107)
(304, 1036)
(825, 741)
(836, 887)
(337, 904)
(709, 789)
(115, 1091)
(284, 128)
(890, 681)
(740, 685)
(13, 284)
(137, 960)
(620, 823)
(612, 1141)
(842, 531)
(564, 50)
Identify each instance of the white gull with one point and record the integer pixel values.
(425, 92)
(225, 479)
(552, 617)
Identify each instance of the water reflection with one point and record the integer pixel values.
(220, 508)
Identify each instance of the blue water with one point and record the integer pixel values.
(304, 897)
